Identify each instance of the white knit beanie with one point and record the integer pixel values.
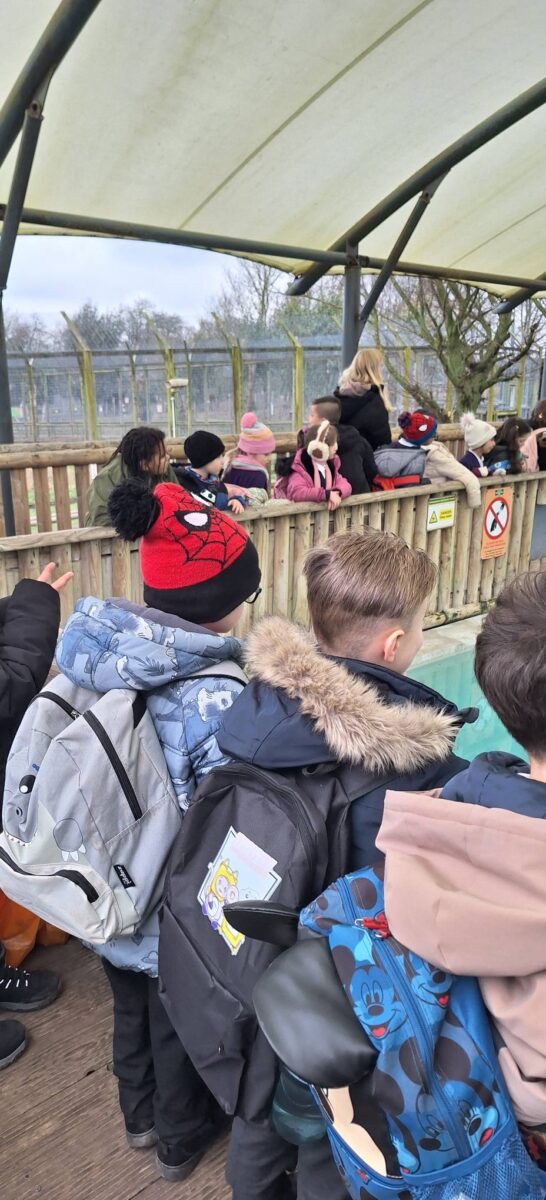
(476, 433)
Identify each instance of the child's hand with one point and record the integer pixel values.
(334, 501)
(47, 577)
(236, 506)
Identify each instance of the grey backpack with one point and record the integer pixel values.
(90, 813)
(395, 460)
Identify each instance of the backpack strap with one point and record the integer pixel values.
(223, 670)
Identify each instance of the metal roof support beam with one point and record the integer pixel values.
(477, 137)
(23, 166)
(475, 277)
(508, 306)
(105, 227)
(59, 35)
(386, 271)
(351, 306)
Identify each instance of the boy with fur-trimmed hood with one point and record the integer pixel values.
(342, 697)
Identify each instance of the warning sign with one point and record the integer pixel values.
(441, 513)
(496, 523)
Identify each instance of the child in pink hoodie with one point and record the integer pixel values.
(315, 475)
(465, 879)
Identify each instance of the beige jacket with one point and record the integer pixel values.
(442, 464)
(465, 887)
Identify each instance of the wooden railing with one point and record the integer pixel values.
(50, 483)
(283, 533)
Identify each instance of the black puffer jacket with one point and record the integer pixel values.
(29, 624)
(367, 413)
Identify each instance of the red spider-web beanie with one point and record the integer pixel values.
(196, 562)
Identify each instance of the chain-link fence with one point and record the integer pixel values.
(53, 399)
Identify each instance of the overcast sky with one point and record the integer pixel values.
(53, 273)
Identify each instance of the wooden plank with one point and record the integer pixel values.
(527, 525)
(375, 518)
(83, 480)
(407, 517)
(392, 515)
(321, 530)
(21, 505)
(516, 529)
(42, 499)
(281, 567)
(62, 497)
(303, 534)
(121, 568)
(474, 558)
(342, 518)
(445, 573)
(63, 558)
(463, 526)
(419, 539)
(91, 569)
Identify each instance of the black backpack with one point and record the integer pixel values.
(248, 835)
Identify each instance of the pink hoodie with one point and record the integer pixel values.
(465, 887)
(299, 486)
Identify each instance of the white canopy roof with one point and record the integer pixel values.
(287, 121)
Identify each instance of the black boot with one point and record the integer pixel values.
(141, 1134)
(13, 1040)
(176, 1162)
(23, 991)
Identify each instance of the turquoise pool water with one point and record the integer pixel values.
(454, 678)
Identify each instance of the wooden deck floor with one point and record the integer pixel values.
(61, 1132)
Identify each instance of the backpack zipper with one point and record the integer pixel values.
(303, 821)
(115, 761)
(423, 1038)
(73, 876)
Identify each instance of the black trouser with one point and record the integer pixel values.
(258, 1159)
(158, 1085)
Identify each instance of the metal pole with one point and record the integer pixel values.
(412, 222)
(58, 36)
(542, 385)
(477, 137)
(215, 242)
(23, 166)
(19, 184)
(508, 306)
(178, 237)
(6, 427)
(351, 306)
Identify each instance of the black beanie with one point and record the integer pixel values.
(202, 447)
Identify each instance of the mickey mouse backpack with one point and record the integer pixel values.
(398, 1054)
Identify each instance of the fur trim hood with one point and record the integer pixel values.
(305, 708)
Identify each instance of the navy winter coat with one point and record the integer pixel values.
(302, 708)
(366, 411)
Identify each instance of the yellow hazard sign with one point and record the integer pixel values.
(441, 513)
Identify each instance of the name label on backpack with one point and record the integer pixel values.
(123, 875)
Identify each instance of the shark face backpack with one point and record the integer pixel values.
(399, 1056)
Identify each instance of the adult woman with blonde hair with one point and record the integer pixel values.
(362, 393)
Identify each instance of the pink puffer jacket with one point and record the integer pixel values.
(300, 486)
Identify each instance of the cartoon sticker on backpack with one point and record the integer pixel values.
(241, 870)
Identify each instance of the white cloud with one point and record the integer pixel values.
(53, 273)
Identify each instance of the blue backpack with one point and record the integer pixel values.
(442, 1117)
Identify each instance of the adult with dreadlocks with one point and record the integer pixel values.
(141, 454)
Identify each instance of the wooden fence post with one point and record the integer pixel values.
(85, 363)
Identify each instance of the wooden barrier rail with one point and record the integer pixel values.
(50, 483)
(283, 533)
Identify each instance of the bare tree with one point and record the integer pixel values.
(26, 333)
(476, 347)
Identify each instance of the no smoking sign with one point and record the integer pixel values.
(496, 523)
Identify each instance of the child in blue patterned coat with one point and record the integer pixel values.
(198, 567)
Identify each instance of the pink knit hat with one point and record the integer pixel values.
(255, 437)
